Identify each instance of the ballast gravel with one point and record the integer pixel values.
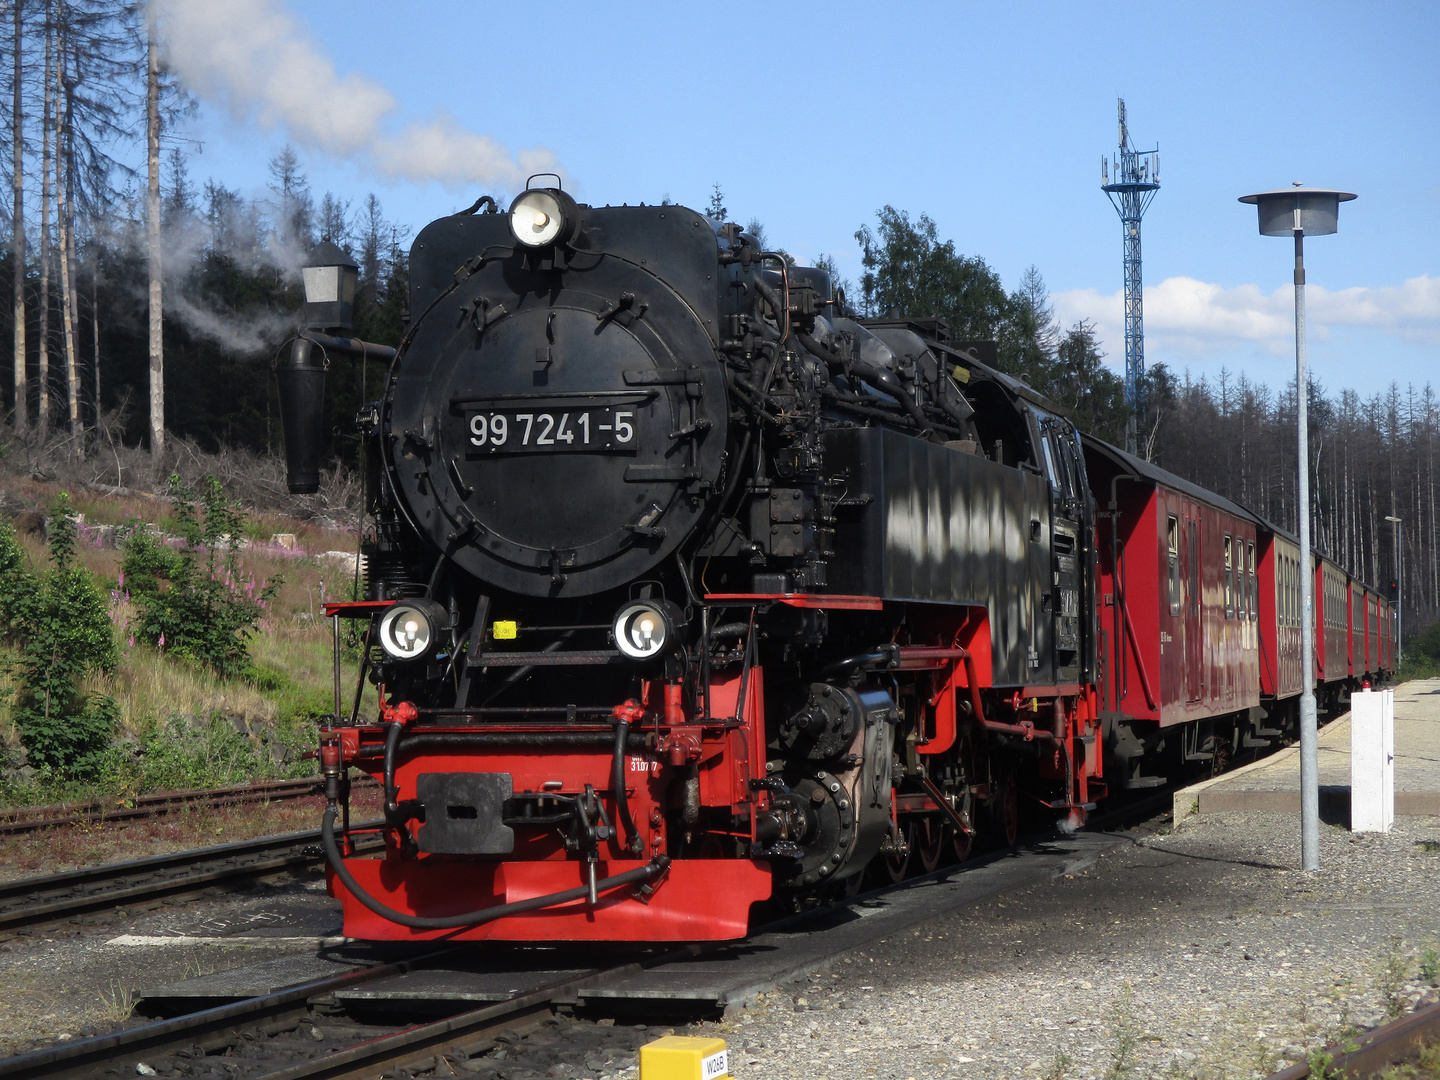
(1200, 952)
(1193, 954)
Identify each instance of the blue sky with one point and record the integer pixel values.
(991, 118)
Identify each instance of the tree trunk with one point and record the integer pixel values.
(42, 374)
(152, 139)
(17, 134)
(65, 229)
(95, 320)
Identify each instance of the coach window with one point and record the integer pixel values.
(1194, 556)
(1229, 577)
(1242, 592)
(1172, 543)
(1250, 574)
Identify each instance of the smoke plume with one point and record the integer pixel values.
(254, 58)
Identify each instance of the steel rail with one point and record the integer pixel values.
(1376, 1050)
(24, 902)
(216, 1029)
(102, 1052)
(421, 1043)
(17, 822)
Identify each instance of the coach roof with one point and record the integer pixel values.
(1134, 465)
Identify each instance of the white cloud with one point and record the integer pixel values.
(1186, 318)
(254, 58)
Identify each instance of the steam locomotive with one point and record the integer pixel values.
(688, 590)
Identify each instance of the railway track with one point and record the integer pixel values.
(34, 819)
(1371, 1054)
(304, 1033)
(30, 902)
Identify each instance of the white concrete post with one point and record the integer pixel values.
(1372, 761)
(1387, 728)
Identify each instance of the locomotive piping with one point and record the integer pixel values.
(877, 377)
(472, 740)
(633, 843)
(392, 742)
(653, 868)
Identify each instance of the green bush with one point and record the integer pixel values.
(1421, 659)
(61, 626)
(191, 601)
(183, 752)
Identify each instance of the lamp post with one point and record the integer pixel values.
(1399, 586)
(1294, 211)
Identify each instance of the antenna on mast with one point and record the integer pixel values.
(1131, 182)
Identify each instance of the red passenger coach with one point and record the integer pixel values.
(1279, 615)
(1332, 657)
(1359, 643)
(1374, 662)
(1385, 620)
(1180, 614)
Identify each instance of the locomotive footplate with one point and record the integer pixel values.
(464, 813)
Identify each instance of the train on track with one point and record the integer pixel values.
(689, 590)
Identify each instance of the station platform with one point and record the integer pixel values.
(1273, 783)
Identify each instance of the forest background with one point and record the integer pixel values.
(85, 87)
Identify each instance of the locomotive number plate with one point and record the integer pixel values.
(522, 429)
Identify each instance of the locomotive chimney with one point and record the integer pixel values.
(330, 277)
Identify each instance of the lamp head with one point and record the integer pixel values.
(330, 277)
(1286, 211)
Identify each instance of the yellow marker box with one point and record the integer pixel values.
(503, 630)
(684, 1057)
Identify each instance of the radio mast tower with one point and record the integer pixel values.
(1136, 179)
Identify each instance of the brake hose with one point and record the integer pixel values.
(653, 868)
(633, 843)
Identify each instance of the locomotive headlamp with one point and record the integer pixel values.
(645, 629)
(411, 629)
(542, 216)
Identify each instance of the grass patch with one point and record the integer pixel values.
(1125, 1036)
(180, 724)
(1393, 974)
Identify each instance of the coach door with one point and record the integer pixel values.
(1194, 635)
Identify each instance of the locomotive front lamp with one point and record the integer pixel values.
(412, 629)
(1294, 211)
(330, 277)
(646, 629)
(541, 217)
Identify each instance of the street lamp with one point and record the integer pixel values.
(1399, 585)
(1294, 211)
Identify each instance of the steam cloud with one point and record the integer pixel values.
(253, 57)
